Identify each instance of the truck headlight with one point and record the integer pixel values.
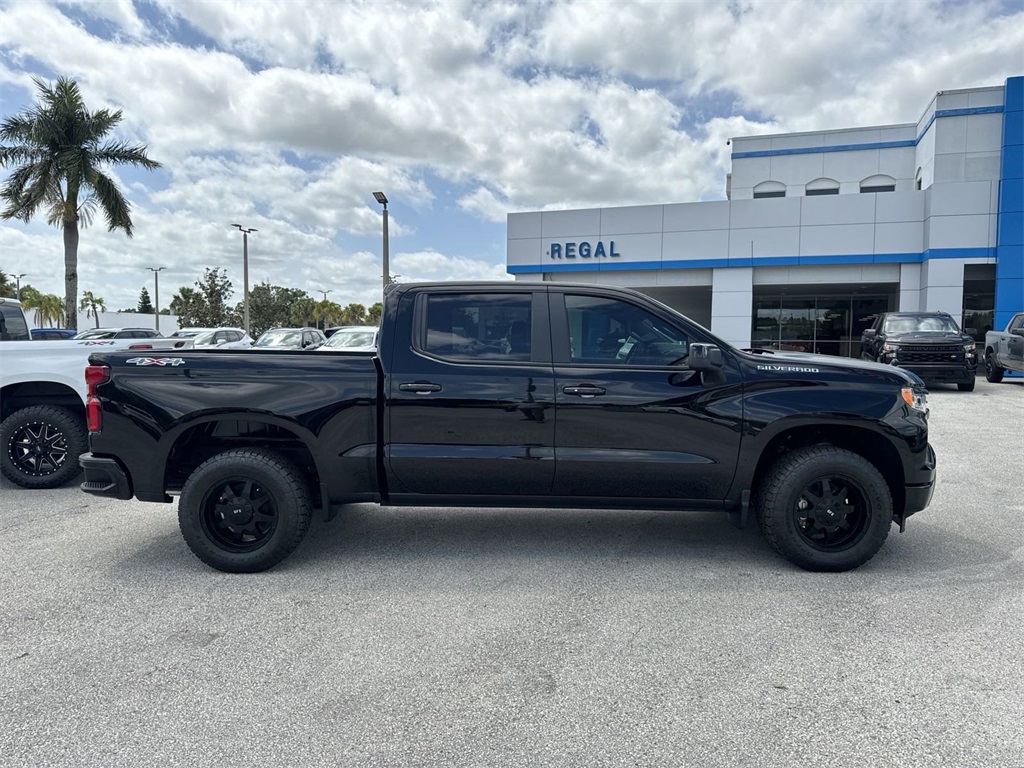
(970, 347)
(890, 346)
(916, 399)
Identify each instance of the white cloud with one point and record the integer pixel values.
(284, 116)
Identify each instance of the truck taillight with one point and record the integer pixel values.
(94, 376)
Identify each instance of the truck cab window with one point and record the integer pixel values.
(607, 331)
(478, 327)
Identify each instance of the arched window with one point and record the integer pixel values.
(879, 183)
(822, 186)
(769, 189)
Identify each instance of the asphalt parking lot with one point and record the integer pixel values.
(420, 637)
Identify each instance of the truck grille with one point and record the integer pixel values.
(931, 354)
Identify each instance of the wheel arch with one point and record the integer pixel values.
(21, 394)
(189, 444)
(867, 443)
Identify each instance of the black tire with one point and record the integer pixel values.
(992, 373)
(966, 386)
(848, 493)
(244, 510)
(40, 446)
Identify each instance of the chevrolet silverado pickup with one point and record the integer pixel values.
(514, 395)
(1004, 350)
(42, 402)
(930, 344)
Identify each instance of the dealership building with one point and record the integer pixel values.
(821, 231)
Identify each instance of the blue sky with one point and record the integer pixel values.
(286, 116)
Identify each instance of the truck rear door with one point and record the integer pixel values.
(470, 402)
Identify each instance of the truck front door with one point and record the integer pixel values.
(470, 402)
(633, 421)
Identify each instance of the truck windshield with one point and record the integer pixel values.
(936, 323)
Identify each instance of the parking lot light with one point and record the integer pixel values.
(245, 273)
(380, 198)
(156, 294)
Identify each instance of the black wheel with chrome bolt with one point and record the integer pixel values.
(244, 510)
(825, 508)
(41, 445)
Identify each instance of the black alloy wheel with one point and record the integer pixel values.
(41, 445)
(824, 508)
(244, 510)
(831, 513)
(240, 515)
(992, 373)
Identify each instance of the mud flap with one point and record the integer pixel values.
(738, 517)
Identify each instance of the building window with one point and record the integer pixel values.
(822, 187)
(769, 189)
(879, 183)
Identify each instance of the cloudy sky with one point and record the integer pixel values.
(285, 116)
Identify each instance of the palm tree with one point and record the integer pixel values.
(58, 148)
(92, 305)
(49, 310)
(7, 288)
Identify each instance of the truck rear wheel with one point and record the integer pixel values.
(40, 446)
(825, 508)
(244, 510)
(992, 372)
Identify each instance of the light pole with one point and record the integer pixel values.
(329, 290)
(380, 198)
(245, 273)
(156, 294)
(18, 288)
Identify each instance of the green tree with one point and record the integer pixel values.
(373, 315)
(145, 305)
(47, 307)
(269, 307)
(353, 314)
(59, 150)
(303, 311)
(8, 289)
(206, 305)
(92, 305)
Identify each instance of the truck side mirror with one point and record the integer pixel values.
(704, 357)
(870, 333)
(1017, 331)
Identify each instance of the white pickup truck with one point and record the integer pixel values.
(1004, 350)
(42, 399)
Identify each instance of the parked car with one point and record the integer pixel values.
(505, 394)
(353, 338)
(222, 338)
(117, 333)
(43, 406)
(52, 334)
(1004, 350)
(13, 325)
(290, 338)
(189, 333)
(930, 344)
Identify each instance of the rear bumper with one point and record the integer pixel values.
(105, 477)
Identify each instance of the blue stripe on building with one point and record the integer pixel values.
(1010, 214)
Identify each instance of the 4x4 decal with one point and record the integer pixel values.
(155, 361)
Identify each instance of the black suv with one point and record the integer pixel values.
(930, 344)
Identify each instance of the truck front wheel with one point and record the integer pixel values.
(40, 446)
(825, 508)
(244, 510)
(993, 372)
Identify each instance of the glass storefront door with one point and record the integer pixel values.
(826, 324)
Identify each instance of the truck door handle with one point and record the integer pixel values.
(588, 390)
(420, 387)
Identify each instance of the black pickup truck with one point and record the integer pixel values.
(514, 395)
(930, 344)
